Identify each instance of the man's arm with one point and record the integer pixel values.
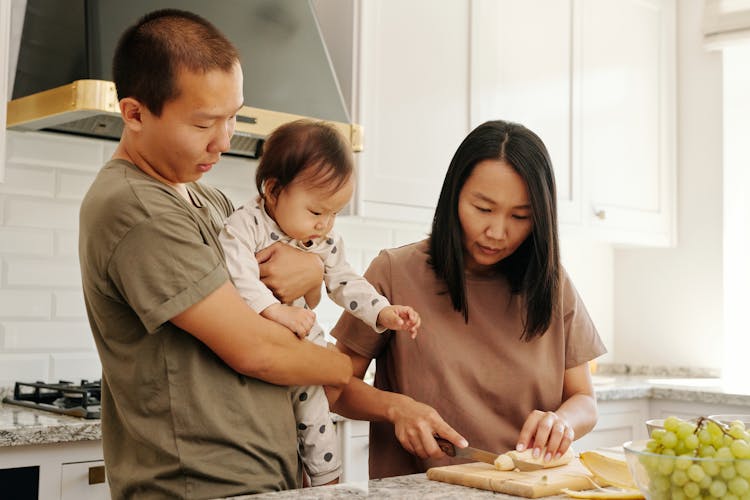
(260, 348)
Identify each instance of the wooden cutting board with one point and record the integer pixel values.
(531, 484)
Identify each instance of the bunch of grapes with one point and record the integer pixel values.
(701, 459)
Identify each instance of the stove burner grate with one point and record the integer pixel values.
(82, 400)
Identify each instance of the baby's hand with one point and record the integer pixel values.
(297, 319)
(400, 318)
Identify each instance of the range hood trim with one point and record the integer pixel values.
(85, 98)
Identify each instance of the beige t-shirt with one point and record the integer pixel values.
(480, 377)
(176, 420)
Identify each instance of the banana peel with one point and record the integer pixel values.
(608, 471)
(610, 494)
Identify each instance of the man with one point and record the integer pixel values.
(194, 396)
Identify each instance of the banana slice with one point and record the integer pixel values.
(608, 471)
(625, 494)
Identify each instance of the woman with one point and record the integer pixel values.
(505, 343)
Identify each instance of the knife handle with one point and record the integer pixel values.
(447, 447)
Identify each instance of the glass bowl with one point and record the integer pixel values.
(665, 477)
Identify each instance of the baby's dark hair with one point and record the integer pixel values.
(309, 146)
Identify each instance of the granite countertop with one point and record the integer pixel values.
(24, 426)
(415, 486)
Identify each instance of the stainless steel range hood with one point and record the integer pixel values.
(64, 53)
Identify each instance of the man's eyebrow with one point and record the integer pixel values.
(202, 114)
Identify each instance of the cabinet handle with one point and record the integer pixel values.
(600, 214)
(96, 475)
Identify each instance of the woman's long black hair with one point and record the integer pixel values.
(533, 270)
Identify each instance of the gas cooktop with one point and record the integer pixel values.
(78, 400)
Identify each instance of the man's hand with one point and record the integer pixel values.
(400, 318)
(297, 319)
(289, 272)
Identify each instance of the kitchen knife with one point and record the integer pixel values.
(481, 455)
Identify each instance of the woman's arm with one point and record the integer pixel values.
(576, 416)
(415, 423)
(290, 273)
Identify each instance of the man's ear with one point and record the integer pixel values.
(131, 111)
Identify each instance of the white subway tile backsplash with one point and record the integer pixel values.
(23, 179)
(25, 304)
(42, 272)
(357, 233)
(17, 367)
(66, 243)
(54, 150)
(27, 242)
(73, 185)
(28, 212)
(41, 336)
(69, 305)
(75, 366)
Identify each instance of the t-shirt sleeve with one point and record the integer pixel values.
(582, 341)
(163, 266)
(355, 334)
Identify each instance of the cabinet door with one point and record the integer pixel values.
(619, 422)
(521, 71)
(84, 481)
(626, 93)
(413, 102)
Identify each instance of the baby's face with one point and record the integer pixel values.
(306, 212)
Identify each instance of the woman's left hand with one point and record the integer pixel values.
(547, 433)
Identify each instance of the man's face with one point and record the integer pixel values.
(194, 128)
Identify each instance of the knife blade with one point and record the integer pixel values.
(481, 455)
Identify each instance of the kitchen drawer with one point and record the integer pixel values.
(84, 481)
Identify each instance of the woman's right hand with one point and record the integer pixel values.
(416, 426)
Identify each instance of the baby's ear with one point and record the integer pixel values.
(269, 187)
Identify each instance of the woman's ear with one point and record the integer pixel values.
(131, 111)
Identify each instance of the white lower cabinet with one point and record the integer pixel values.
(73, 470)
(354, 443)
(619, 421)
(84, 481)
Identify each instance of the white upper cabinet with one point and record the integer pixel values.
(595, 79)
(522, 72)
(413, 102)
(626, 59)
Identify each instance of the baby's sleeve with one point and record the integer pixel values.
(349, 289)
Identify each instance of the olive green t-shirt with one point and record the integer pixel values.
(479, 376)
(176, 420)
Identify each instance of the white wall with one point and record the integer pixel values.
(669, 301)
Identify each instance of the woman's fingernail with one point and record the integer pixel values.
(548, 457)
(536, 453)
(557, 455)
(520, 447)
(464, 443)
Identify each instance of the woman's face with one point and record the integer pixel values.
(495, 213)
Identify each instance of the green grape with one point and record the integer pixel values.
(665, 466)
(691, 490)
(717, 441)
(743, 468)
(669, 440)
(652, 445)
(707, 451)
(704, 436)
(738, 485)
(740, 448)
(658, 434)
(714, 429)
(724, 453)
(696, 473)
(684, 429)
(660, 483)
(711, 468)
(677, 494)
(705, 482)
(672, 423)
(728, 472)
(683, 462)
(730, 496)
(679, 477)
(718, 488)
(692, 442)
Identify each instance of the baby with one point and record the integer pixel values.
(305, 177)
